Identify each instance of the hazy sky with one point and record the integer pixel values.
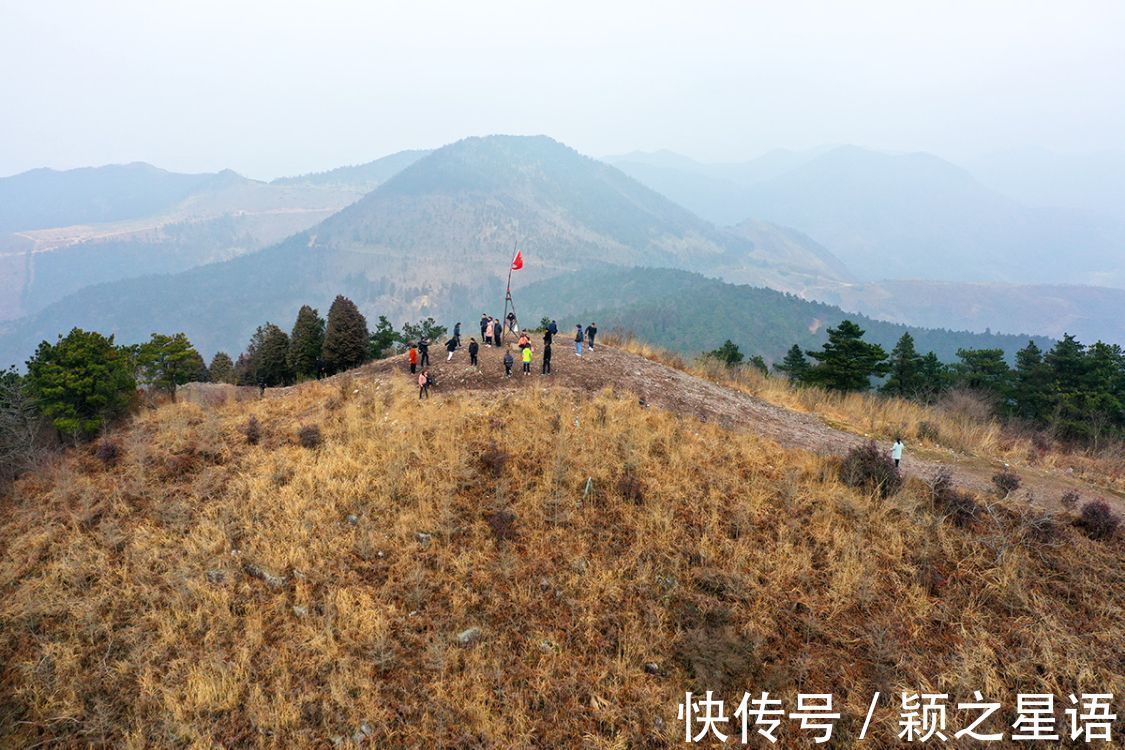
(268, 87)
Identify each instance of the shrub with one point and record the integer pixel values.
(108, 452)
(252, 430)
(493, 459)
(1006, 481)
(867, 467)
(502, 523)
(309, 436)
(1070, 499)
(1098, 520)
(928, 431)
(956, 505)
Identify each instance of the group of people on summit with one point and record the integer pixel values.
(492, 332)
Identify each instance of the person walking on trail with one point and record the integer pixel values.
(579, 337)
(424, 384)
(451, 346)
(424, 352)
(546, 369)
(412, 358)
(527, 360)
(488, 329)
(508, 362)
(474, 349)
(896, 450)
(457, 335)
(591, 332)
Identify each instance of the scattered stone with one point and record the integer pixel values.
(216, 575)
(548, 646)
(337, 739)
(652, 667)
(353, 520)
(300, 611)
(468, 637)
(256, 571)
(578, 566)
(423, 538)
(544, 585)
(362, 733)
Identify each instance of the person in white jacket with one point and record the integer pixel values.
(896, 451)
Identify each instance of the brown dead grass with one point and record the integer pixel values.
(203, 592)
(959, 425)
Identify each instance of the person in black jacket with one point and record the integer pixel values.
(546, 370)
(423, 352)
(474, 349)
(553, 329)
(457, 334)
(508, 362)
(483, 324)
(591, 332)
(451, 346)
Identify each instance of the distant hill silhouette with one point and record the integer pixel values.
(361, 176)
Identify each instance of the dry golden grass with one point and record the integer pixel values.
(207, 593)
(960, 424)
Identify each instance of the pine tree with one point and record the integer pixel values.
(795, 365)
(728, 354)
(1032, 390)
(266, 359)
(166, 362)
(936, 378)
(81, 382)
(905, 370)
(305, 343)
(847, 362)
(984, 370)
(346, 340)
(222, 368)
(383, 338)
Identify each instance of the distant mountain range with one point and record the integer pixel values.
(431, 232)
(889, 216)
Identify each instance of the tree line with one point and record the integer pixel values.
(85, 380)
(1074, 391)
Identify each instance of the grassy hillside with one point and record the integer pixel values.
(435, 574)
(690, 313)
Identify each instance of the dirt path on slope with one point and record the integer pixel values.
(670, 389)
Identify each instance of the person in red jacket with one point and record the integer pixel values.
(412, 358)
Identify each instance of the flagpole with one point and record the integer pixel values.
(508, 289)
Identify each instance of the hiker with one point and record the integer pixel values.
(321, 369)
(457, 335)
(512, 322)
(261, 388)
(591, 332)
(424, 351)
(424, 384)
(579, 337)
(474, 348)
(451, 346)
(412, 358)
(546, 370)
(896, 450)
(497, 332)
(527, 360)
(548, 337)
(508, 362)
(484, 325)
(489, 327)
(525, 340)
(553, 329)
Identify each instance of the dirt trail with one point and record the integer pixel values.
(667, 388)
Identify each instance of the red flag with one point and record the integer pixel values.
(517, 262)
